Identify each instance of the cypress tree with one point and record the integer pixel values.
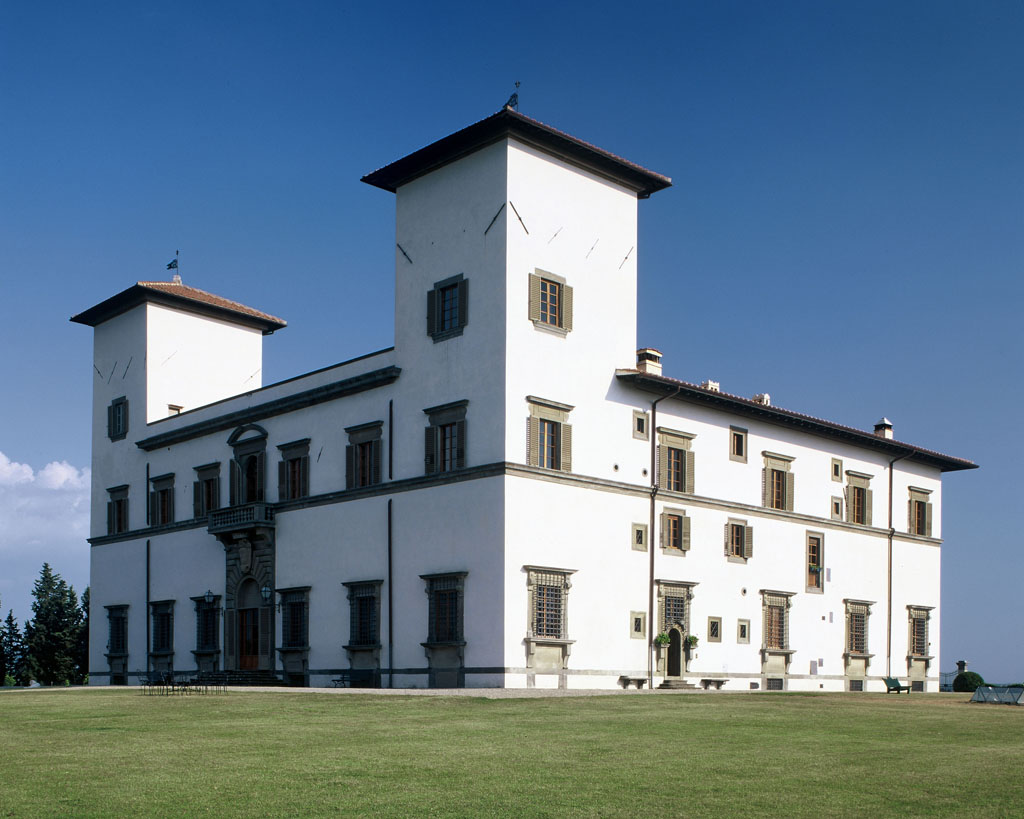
(51, 636)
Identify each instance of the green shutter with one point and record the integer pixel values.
(197, 499)
(463, 292)
(867, 507)
(431, 312)
(566, 307)
(748, 542)
(460, 444)
(688, 478)
(429, 450)
(685, 526)
(534, 297)
(533, 441)
(928, 520)
(565, 443)
(789, 491)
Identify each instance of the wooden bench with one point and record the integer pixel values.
(892, 684)
(707, 682)
(626, 681)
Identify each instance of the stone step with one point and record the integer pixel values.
(678, 685)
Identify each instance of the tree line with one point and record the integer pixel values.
(53, 648)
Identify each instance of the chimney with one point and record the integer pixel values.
(961, 666)
(648, 360)
(711, 386)
(762, 398)
(883, 429)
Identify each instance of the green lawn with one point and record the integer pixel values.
(119, 753)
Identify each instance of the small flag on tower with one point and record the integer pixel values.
(173, 265)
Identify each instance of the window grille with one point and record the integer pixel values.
(364, 628)
(776, 629)
(163, 625)
(857, 634)
(548, 604)
(773, 684)
(117, 638)
(856, 685)
(295, 620)
(919, 632)
(674, 609)
(445, 608)
(207, 625)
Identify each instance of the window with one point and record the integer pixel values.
(448, 308)
(742, 631)
(858, 498)
(918, 638)
(675, 530)
(206, 490)
(550, 302)
(739, 541)
(363, 455)
(857, 612)
(548, 602)
(548, 435)
(163, 627)
(117, 419)
(248, 466)
(837, 507)
(674, 606)
(777, 482)
(738, 444)
(919, 512)
(364, 613)
(444, 447)
(714, 629)
(295, 617)
(638, 625)
(638, 537)
(117, 510)
(445, 607)
(640, 422)
(675, 461)
(815, 562)
(161, 500)
(293, 470)
(837, 470)
(775, 612)
(117, 631)
(207, 624)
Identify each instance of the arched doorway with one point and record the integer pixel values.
(675, 653)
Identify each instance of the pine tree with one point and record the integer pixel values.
(51, 636)
(11, 649)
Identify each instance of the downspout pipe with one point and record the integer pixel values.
(652, 433)
(391, 608)
(888, 593)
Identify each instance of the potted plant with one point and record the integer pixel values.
(662, 639)
(690, 641)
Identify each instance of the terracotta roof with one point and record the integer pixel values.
(175, 294)
(693, 393)
(508, 122)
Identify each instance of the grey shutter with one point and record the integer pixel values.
(688, 478)
(266, 630)
(170, 505)
(124, 429)
(662, 465)
(928, 520)
(848, 494)
(197, 499)
(910, 517)
(430, 450)
(460, 444)
(685, 526)
(748, 541)
(565, 442)
(350, 466)
(375, 457)
(304, 476)
(234, 481)
(110, 421)
(152, 509)
(534, 297)
(282, 480)
(664, 530)
(431, 312)
(867, 507)
(110, 517)
(727, 552)
(215, 500)
(261, 468)
(765, 483)
(533, 441)
(463, 292)
(230, 635)
(566, 307)
(789, 491)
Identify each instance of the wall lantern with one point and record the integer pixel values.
(208, 597)
(268, 595)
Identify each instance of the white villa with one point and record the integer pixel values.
(511, 496)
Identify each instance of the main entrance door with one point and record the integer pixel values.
(675, 653)
(248, 639)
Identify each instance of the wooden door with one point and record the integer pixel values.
(675, 652)
(248, 639)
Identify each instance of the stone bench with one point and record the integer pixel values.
(626, 681)
(707, 682)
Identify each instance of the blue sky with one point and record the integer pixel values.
(844, 231)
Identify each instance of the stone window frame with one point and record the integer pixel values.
(836, 507)
(743, 631)
(714, 629)
(641, 425)
(207, 632)
(747, 544)
(243, 449)
(855, 482)
(776, 463)
(738, 444)
(915, 615)
(435, 585)
(774, 599)
(837, 470)
(673, 439)
(856, 636)
(359, 591)
(451, 414)
(542, 409)
(917, 496)
(563, 324)
(819, 586)
(364, 440)
(669, 513)
(161, 500)
(117, 510)
(294, 607)
(117, 636)
(435, 308)
(161, 641)
(117, 419)
(538, 577)
(638, 537)
(638, 625)
(676, 590)
(206, 489)
(293, 470)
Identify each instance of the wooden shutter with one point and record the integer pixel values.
(170, 505)
(261, 468)
(684, 525)
(534, 297)
(463, 292)
(375, 457)
(430, 450)
(663, 542)
(928, 520)
(848, 494)
(766, 500)
(727, 550)
(565, 443)
(234, 481)
(460, 444)
(153, 520)
(431, 312)
(197, 499)
(748, 542)
(662, 465)
(867, 507)
(789, 491)
(124, 429)
(688, 478)
(350, 466)
(266, 630)
(566, 307)
(304, 476)
(110, 420)
(230, 636)
(282, 480)
(110, 518)
(911, 523)
(533, 441)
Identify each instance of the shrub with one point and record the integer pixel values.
(967, 682)
(9, 681)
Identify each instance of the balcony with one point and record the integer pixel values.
(241, 518)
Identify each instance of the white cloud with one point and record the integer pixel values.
(44, 518)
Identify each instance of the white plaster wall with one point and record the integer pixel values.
(117, 577)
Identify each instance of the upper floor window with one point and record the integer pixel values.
(161, 500)
(550, 302)
(363, 455)
(738, 444)
(777, 482)
(248, 466)
(448, 308)
(445, 607)
(675, 530)
(815, 561)
(640, 421)
(206, 490)
(919, 512)
(675, 460)
(739, 541)
(293, 470)
(117, 510)
(444, 447)
(858, 498)
(548, 435)
(117, 419)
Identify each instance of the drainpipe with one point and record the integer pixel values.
(145, 613)
(652, 432)
(391, 619)
(888, 596)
